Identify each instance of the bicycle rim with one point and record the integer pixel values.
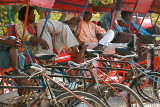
(113, 99)
(150, 92)
(68, 100)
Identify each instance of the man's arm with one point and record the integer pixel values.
(42, 42)
(13, 43)
(100, 32)
(29, 37)
(2, 41)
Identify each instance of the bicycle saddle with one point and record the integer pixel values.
(44, 56)
(90, 52)
(123, 50)
(132, 46)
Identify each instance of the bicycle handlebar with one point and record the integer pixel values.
(133, 54)
(40, 69)
(84, 63)
(37, 68)
(151, 46)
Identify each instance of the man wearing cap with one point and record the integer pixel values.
(47, 44)
(93, 35)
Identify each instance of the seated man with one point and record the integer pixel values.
(145, 36)
(9, 55)
(93, 35)
(47, 44)
(126, 16)
(105, 21)
(120, 35)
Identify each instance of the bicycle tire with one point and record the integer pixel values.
(151, 91)
(109, 95)
(91, 99)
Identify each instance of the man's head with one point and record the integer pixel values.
(31, 15)
(126, 15)
(87, 16)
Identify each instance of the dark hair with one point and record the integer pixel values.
(22, 12)
(124, 13)
(87, 12)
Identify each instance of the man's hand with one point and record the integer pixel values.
(14, 43)
(43, 43)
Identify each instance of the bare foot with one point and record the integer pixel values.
(81, 54)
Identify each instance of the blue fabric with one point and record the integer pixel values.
(106, 18)
(141, 30)
(5, 61)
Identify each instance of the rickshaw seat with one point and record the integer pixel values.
(13, 30)
(146, 23)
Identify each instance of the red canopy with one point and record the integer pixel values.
(70, 5)
(62, 5)
(10, 2)
(102, 8)
(155, 7)
(41, 3)
(137, 6)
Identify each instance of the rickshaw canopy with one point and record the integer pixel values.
(137, 6)
(41, 3)
(155, 7)
(61, 5)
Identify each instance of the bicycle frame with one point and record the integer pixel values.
(3, 81)
(132, 67)
(41, 87)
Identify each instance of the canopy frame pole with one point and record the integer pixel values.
(151, 18)
(113, 16)
(157, 19)
(45, 23)
(10, 20)
(25, 23)
(141, 22)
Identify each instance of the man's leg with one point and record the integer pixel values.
(153, 30)
(111, 47)
(63, 37)
(79, 53)
(13, 52)
(108, 37)
(68, 40)
(122, 37)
